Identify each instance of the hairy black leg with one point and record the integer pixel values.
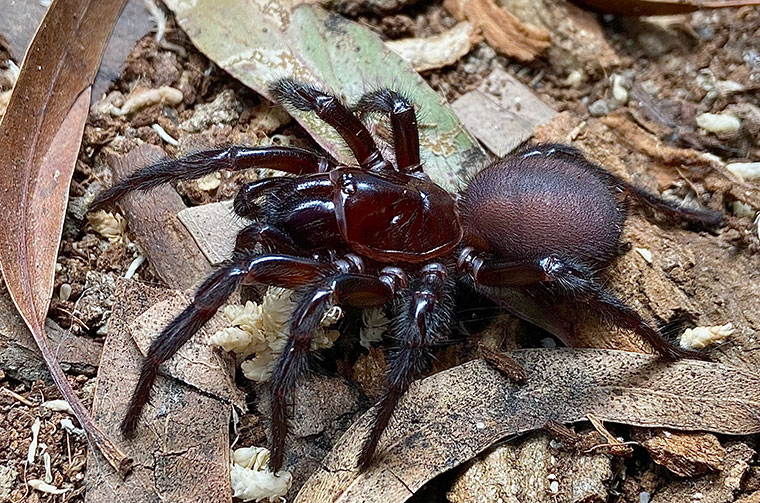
(288, 159)
(278, 270)
(422, 321)
(574, 281)
(406, 138)
(245, 200)
(673, 212)
(333, 112)
(343, 288)
(272, 240)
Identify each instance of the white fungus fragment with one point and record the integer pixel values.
(134, 266)
(58, 406)
(44, 487)
(251, 478)
(33, 446)
(111, 226)
(263, 329)
(745, 170)
(645, 254)
(701, 337)
(719, 123)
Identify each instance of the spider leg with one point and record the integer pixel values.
(406, 137)
(422, 321)
(278, 270)
(576, 282)
(342, 288)
(333, 112)
(270, 237)
(288, 159)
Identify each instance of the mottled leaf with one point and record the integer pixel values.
(452, 416)
(259, 41)
(40, 136)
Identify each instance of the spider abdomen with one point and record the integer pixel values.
(536, 204)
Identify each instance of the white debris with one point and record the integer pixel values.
(701, 337)
(111, 226)
(68, 425)
(645, 254)
(134, 266)
(58, 406)
(33, 445)
(741, 209)
(554, 487)
(44, 487)
(437, 51)
(644, 497)
(745, 170)
(251, 478)
(48, 471)
(374, 325)
(719, 123)
(263, 330)
(619, 92)
(164, 135)
(64, 292)
(575, 78)
(142, 97)
(209, 182)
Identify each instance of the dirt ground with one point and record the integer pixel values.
(673, 70)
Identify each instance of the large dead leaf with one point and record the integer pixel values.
(259, 41)
(183, 432)
(452, 416)
(39, 138)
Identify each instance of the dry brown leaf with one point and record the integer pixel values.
(182, 450)
(452, 416)
(685, 454)
(502, 30)
(40, 136)
(659, 7)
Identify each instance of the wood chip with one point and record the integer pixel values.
(438, 51)
(502, 30)
(214, 227)
(502, 112)
(685, 454)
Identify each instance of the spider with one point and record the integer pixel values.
(381, 234)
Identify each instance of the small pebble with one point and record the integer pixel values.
(554, 487)
(643, 497)
(599, 108)
(64, 293)
(741, 209)
(718, 123)
(619, 92)
(574, 78)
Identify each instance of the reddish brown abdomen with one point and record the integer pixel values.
(532, 206)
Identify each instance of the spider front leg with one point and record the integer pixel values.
(289, 159)
(406, 136)
(334, 113)
(348, 286)
(574, 281)
(422, 322)
(277, 270)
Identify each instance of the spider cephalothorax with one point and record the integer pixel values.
(380, 234)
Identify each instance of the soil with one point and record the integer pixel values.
(677, 68)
